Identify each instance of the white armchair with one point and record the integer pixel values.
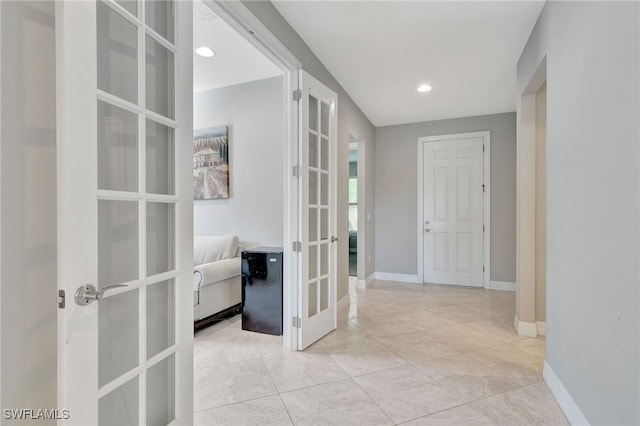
(217, 284)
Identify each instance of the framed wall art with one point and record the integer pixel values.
(211, 163)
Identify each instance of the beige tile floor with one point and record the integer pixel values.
(402, 354)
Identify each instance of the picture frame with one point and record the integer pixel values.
(211, 163)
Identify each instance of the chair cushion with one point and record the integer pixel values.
(213, 272)
(211, 248)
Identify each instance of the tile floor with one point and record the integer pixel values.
(402, 354)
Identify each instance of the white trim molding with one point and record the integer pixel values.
(541, 326)
(361, 284)
(527, 329)
(502, 285)
(392, 276)
(565, 401)
(486, 135)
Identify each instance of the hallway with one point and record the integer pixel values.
(402, 354)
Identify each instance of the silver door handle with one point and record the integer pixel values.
(427, 230)
(85, 294)
(334, 239)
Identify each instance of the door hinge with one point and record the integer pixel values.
(295, 321)
(482, 187)
(297, 172)
(297, 246)
(61, 299)
(297, 95)
(482, 148)
(482, 228)
(482, 268)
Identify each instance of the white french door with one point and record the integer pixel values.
(317, 306)
(453, 210)
(125, 348)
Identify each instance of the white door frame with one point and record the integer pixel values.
(240, 18)
(486, 257)
(524, 321)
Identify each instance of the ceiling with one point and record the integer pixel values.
(235, 61)
(380, 51)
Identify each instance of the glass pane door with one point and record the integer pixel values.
(137, 200)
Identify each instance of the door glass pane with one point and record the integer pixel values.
(160, 79)
(120, 407)
(117, 335)
(159, 16)
(313, 224)
(313, 150)
(324, 294)
(117, 54)
(324, 259)
(324, 153)
(324, 189)
(313, 262)
(313, 187)
(160, 238)
(117, 148)
(313, 113)
(324, 119)
(161, 392)
(160, 159)
(313, 299)
(160, 317)
(324, 224)
(130, 5)
(117, 242)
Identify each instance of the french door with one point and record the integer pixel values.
(125, 349)
(318, 126)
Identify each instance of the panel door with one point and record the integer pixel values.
(318, 216)
(124, 211)
(453, 212)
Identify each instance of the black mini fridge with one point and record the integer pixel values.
(262, 290)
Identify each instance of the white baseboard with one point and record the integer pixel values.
(527, 329)
(390, 276)
(569, 407)
(502, 285)
(541, 326)
(344, 302)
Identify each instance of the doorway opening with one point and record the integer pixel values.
(353, 209)
(246, 128)
(531, 303)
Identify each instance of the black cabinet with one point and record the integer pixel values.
(262, 290)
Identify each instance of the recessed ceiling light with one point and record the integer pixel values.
(424, 88)
(205, 51)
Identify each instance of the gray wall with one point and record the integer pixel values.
(28, 167)
(254, 113)
(351, 121)
(396, 187)
(593, 185)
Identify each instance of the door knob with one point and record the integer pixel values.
(334, 239)
(85, 294)
(427, 230)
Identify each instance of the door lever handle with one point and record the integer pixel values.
(427, 230)
(87, 293)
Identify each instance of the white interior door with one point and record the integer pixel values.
(124, 211)
(453, 211)
(318, 216)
